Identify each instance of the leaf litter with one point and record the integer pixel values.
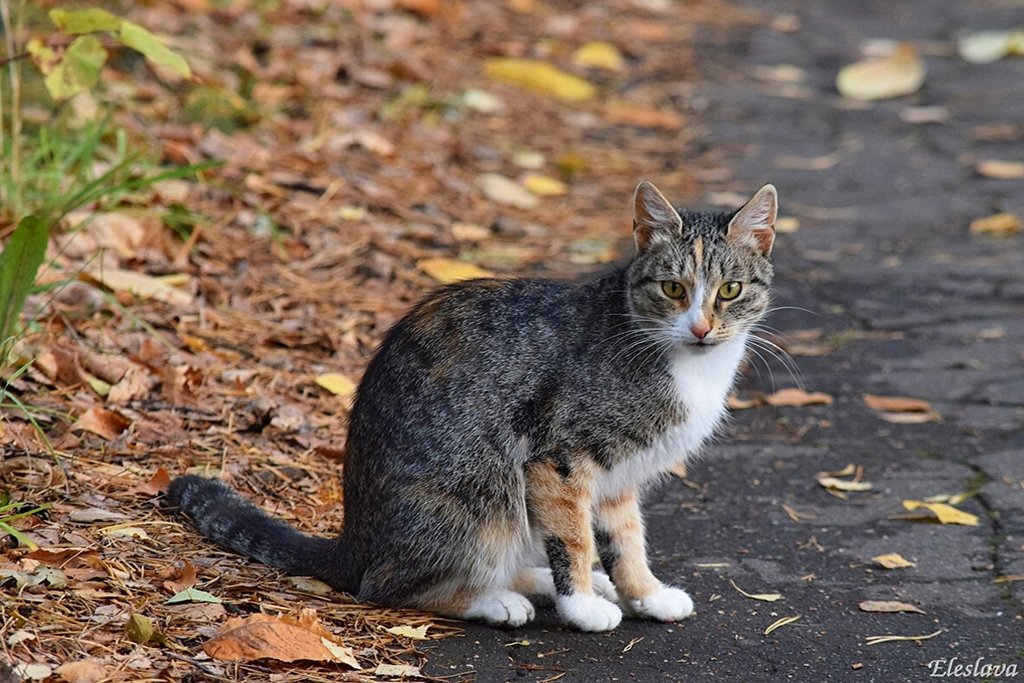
(193, 340)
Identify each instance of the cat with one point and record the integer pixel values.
(506, 429)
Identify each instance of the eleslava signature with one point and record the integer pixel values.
(954, 667)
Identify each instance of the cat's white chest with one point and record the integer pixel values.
(702, 383)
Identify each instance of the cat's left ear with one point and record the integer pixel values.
(756, 220)
(653, 216)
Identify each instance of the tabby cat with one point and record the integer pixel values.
(506, 429)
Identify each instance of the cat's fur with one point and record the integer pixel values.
(506, 429)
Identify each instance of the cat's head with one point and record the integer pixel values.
(701, 278)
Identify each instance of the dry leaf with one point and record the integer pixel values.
(1001, 224)
(142, 285)
(417, 633)
(33, 672)
(764, 597)
(888, 606)
(844, 484)
(897, 404)
(540, 77)
(599, 54)
(396, 670)
(186, 578)
(192, 595)
(482, 101)
(336, 383)
(876, 640)
(158, 483)
(946, 514)
(1000, 169)
(626, 114)
(836, 486)
(793, 397)
(892, 561)
(83, 671)
(543, 185)
(447, 270)
(506, 191)
(107, 424)
(897, 74)
(985, 47)
(781, 622)
(140, 629)
(285, 639)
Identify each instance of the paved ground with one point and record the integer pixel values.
(912, 304)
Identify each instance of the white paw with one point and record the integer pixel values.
(665, 604)
(588, 612)
(604, 587)
(501, 608)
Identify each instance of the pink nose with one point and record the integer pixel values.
(700, 330)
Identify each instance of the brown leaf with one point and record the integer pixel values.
(897, 404)
(158, 483)
(626, 114)
(83, 671)
(107, 424)
(793, 397)
(285, 639)
(888, 606)
(186, 578)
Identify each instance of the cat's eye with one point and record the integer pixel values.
(730, 290)
(673, 290)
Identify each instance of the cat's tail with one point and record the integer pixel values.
(234, 523)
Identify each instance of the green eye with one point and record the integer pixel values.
(673, 290)
(729, 291)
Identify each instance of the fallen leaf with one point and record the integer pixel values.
(888, 606)
(107, 424)
(985, 47)
(506, 191)
(1000, 169)
(528, 159)
(543, 185)
(1008, 578)
(844, 484)
(764, 597)
(311, 586)
(781, 622)
(892, 561)
(284, 638)
(793, 397)
(186, 578)
(482, 101)
(898, 404)
(1002, 224)
(787, 224)
(894, 75)
(599, 54)
(140, 629)
(736, 403)
(336, 383)
(952, 499)
(469, 232)
(89, 515)
(83, 671)
(396, 670)
(876, 640)
(946, 514)
(193, 595)
(125, 531)
(540, 77)
(835, 485)
(33, 672)
(54, 578)
(158, 483)
(19, 637)
(417, 633)
(626, 114)
(446, 270)
(142, 285)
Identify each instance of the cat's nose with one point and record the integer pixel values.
(700, 329)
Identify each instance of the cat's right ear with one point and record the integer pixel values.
(653, 216)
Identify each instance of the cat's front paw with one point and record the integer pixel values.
(665, 604)
(500, 608)
(588, 612)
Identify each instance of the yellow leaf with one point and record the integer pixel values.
(764, 597)
(892, 561)
(1001, 224)
(599, 54)
(141, 285)
(781, 622)
(447, 270)
(897, 74)
(418, 633)
(336, 383)
(1000, 169)
(946, 514)
(544, 185)
(541, 77)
